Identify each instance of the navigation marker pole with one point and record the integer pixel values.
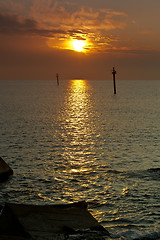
(57, 79)
(114, 80)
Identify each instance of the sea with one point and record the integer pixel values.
(78, 141)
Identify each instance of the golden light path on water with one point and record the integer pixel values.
(78, 135)
(82, 174)
(77, 126)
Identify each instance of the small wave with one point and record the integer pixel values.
(96, 204)
(121, 221)
(114, 171)
(149, 174)
(137, 235)
(154, 170)
(153, 173)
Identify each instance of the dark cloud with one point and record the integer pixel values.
(14, 24)
(133, 52)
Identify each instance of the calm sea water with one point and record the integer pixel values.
(79, 141)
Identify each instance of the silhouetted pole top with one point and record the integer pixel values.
(114, 71)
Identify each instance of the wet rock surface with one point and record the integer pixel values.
(58, 222)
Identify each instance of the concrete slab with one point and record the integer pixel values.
(5, 170)
(58, 222)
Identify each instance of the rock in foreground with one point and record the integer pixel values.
(58, 222)
(5, 170)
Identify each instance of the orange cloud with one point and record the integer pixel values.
(59, 21)
(78, 22)
(55, 14)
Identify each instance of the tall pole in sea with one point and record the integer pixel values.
(57, 79)
(114, 80)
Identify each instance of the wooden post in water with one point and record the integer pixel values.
(57, 79)
(114, 80)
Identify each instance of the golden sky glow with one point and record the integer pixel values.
(72, 44)
(105, 27)
(51, 34)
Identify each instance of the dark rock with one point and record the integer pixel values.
(1, 207)
(10, 225)
(5, 170)
(59, 222)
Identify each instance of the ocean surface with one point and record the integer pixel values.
(78, 141)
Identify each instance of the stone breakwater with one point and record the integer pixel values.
(58, 222)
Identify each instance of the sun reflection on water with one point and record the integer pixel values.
(77, 126)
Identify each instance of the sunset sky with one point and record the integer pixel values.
(79, 39)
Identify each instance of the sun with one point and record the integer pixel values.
(78, 45)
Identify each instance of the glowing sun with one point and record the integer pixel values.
(78, 45)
